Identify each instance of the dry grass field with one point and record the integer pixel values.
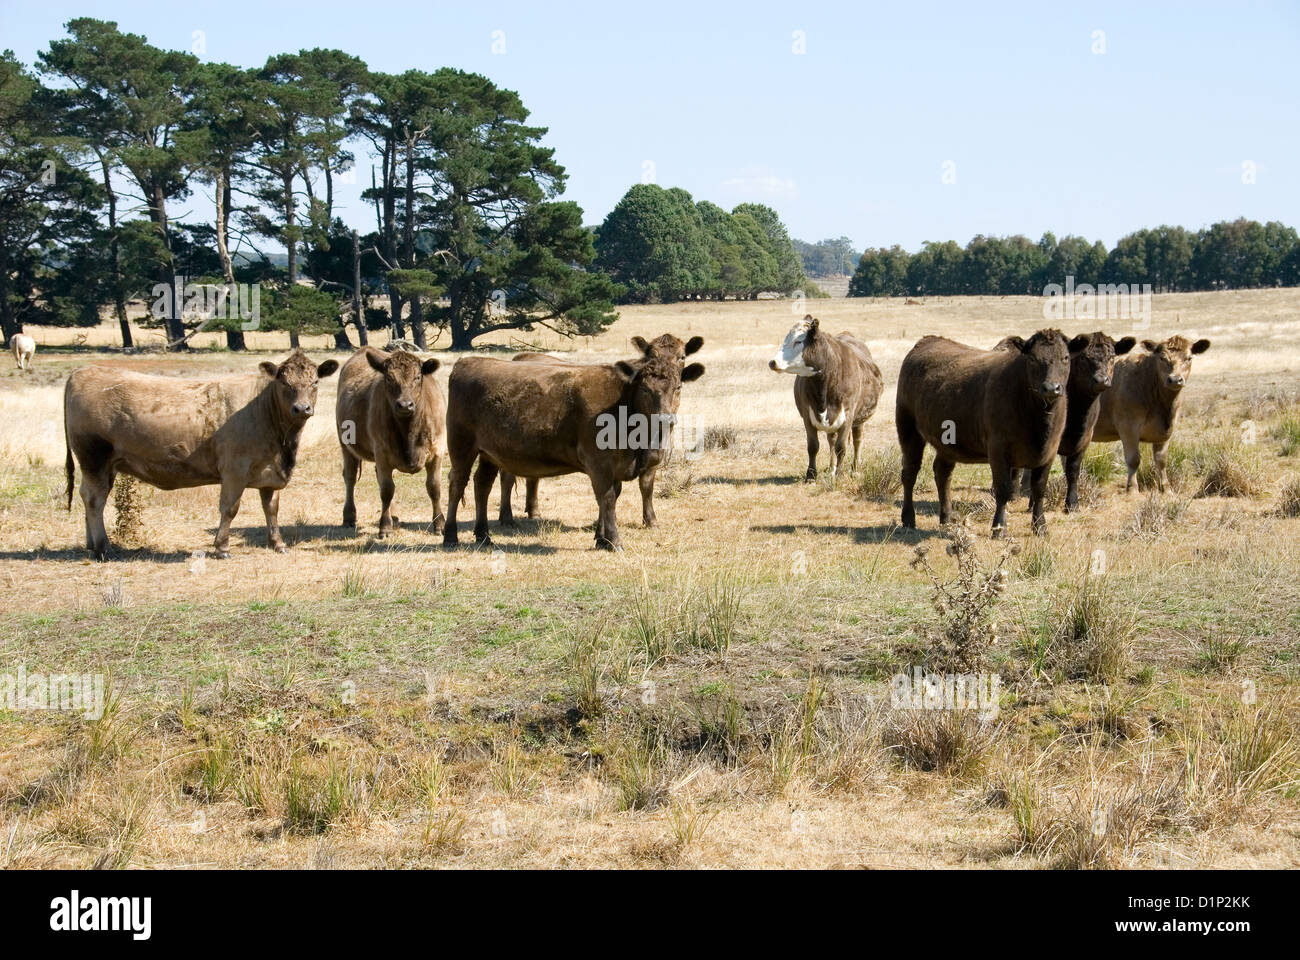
(716, 695)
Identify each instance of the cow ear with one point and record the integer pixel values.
(692, 372)
(1150, 346)
(1080, 343)
(641, 344)
(430, 365)
(626, 370)
(1017, 342)
(1200, 346)
(326, 368)
(376, 360)
(813, 325)
(694, 344)
(1124, 345)
(269, 368)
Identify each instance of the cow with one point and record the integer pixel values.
(1091, 372)
(238, 432)
(1006, 408)
(1142, 406)
(391, 411)
(22, 347)
(837, 386)
(547, 419)
(665, 345)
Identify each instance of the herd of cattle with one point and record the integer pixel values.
(1014, 407)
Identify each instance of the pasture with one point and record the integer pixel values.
(717, 694)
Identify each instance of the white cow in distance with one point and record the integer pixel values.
(23, 347)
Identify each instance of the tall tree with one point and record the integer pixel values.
(145, 93)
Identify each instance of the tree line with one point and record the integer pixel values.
(1233, 255)
(106, 137)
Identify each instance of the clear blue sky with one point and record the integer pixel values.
(850, 137)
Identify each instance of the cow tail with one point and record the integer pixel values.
(67, 463)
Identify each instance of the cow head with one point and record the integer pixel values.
(1173, 359)
(295, 382)
(802, 353)
(1092, 361)
(668, 347)
(403, 374)
(1047, 358)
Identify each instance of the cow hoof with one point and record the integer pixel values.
(607, 545)
(437, 526)
(384, 533)
(279, 548)
(483, 541)
(450, 541)
(220, 554)
(507, 522)
(999, 532)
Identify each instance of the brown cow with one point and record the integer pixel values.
(1091, 372)
(665, 345)
(390, 411)
(1003, 407)
(1143, 404)
(549, 419)
(239, 432)
(837, 386)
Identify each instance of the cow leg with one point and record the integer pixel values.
(484, 477)
(456, 483)
(231, 491)
(942, 476)
(1132, 458)
(506, 515)
(647, 484)
(271, 507)
(837, 450)
(351, 470)
(95, 489)
(1158, 452)
(530, 498)
(607, 492)
(1072, 464)
(813, 445)
(433, 486)
(1038, 496)
(1004, 485)
(912, 445)
(384, 474)
(857, 442)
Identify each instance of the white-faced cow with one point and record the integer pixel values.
(837, 386)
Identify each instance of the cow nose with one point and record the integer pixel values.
(1103, 381)
(771, 364)
(302, 409)
(1051, 389)
(1177, 380)
(406, 406)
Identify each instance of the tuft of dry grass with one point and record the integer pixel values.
(880, 476)
(1289, 500)
(957, 743)
(1091, 631)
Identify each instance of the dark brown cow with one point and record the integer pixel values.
(666, 346)
(1003, 407)
(239, 432)
(1091, 372)
(549, 419)
(837, 386)
(1142, 406)
(391, 412)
